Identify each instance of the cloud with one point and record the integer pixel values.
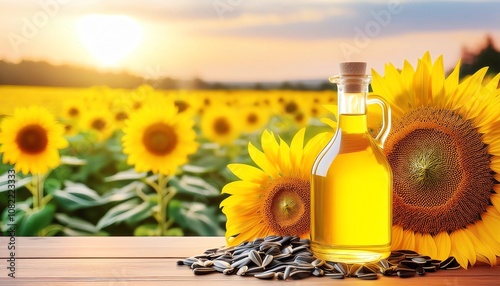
(323, 20)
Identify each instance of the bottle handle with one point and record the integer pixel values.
(386, 117)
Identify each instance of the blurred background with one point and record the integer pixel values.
(100, 61)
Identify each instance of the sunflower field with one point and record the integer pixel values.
(148, 162)
(113, 167)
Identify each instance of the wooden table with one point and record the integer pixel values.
(152, 261)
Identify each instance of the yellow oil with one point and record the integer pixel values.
(351, 197)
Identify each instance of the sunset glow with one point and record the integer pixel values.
(109, 38)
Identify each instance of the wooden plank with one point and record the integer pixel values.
(152, 261)
(109, 247)
(150, 271)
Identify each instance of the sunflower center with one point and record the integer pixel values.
(442, 178)
(181, 105)
(159, 139)
(287, 206)
(221, 126)
(98, 124)
(252, 118)
(291, 107)
(121, 116)
(73, 112)
(32, 139)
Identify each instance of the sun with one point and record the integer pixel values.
(109, 38)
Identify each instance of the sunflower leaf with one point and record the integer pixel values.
(194, 186)
(5, 185)
(130, 174)
(76, 223)
(76, 196)
(127, 211)
(36, 220)
(196, 217)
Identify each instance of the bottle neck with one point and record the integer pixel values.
(352, 92)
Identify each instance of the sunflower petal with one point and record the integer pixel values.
(269, 145)
(248, 173)
(443, 245)
(409, 239)
(397, 237)
(296, 148)
(483, 252)
(262, 161)
(425, 245)
(284, 158)
(462, 248)
(491, 220)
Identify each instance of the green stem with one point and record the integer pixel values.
(164, 194)
(38, 181)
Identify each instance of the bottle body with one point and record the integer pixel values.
(351, 200)
(351, 188)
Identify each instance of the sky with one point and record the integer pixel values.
(242, 40)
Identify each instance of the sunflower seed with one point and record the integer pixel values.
(317, 263)
(287, 272)
(300, 274)
(367, 276)
(341, 267)
(221, 264)
(450, 263)
(242, 271)
(264, 275)
(203, 270)
(255, 257)
(405, 272)
(240, 263)
(287, 257)
(318, 272)
(267, 260)
(335, 275)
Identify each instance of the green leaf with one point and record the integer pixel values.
(5, 185)
(72, 232)
(128, 210)
(21, 209)
(36, 220)
(148, 229)
(141, 212)
(194, 186)
(126, 175)
(196, 217)
(51, 185)
(77, 196)
(124, 193)
(76, 223)
(175, 231)
(71, 160)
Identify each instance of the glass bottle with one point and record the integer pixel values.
(351, 184)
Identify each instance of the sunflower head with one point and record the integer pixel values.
(274, 197)
(221, 124)
(99, 121)
(444, 153)
(31, 140)
(158, 139)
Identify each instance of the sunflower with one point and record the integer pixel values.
(30, 140)
(98, 120)
(221, 124)
(272, 198)
(444, 150)
(254, 118)
(158, 139)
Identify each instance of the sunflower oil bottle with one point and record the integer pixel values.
(351, 184)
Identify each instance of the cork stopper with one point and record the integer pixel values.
(353, 69)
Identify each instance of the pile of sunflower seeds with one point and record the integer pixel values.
(284, 257)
